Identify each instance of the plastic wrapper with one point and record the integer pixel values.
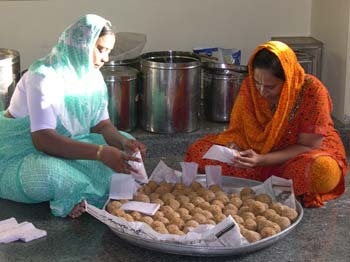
(221, 153)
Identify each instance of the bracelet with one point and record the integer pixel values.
(99, 151)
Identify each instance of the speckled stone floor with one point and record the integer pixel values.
(321, 236)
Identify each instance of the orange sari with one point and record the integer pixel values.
(304, 107)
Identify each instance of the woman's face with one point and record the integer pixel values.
(103, 47)
(267, 84)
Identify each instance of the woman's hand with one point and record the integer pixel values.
(233, 145)
(117, 160)
(130, 146)
(248, 159)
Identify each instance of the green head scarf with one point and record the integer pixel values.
(84, 92)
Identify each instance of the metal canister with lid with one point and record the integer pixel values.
(9, 75)
(221, 84)
(121, 83)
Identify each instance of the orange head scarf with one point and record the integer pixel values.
(252, 124)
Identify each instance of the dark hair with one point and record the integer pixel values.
(106, 30)
(264, 59)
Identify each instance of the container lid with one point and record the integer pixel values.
(170, 60)
(125, 72)
(125, 62)
(298, 41)
(225, 69)
(8, 57)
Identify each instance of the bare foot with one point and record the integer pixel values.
(78, 210)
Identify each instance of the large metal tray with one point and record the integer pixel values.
(195, 250)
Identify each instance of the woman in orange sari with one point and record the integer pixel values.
(281, 125)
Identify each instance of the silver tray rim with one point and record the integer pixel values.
(197, 250)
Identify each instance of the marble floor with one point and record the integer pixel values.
(322, 235)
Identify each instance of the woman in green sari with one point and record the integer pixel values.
(57, 143)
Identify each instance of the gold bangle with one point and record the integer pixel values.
(99, 151)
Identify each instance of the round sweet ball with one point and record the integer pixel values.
(222, 198)
(174, 204)
(259, 207)
(177, 221)
(269, 213)
(215, 188)
(164, 220)
(172, 228)
(244, 209)
(218, 218)
(278, 207)
(265, 198)
(208, 195)
(118, 212)
(237, 201)
(136, 215)
(247, 215)
(218, 203)
(147, 219)
(283, 222)
(246, 191)
(192, 223)
(196, 185)
(179, 186)
(127, 217)
(192, 195)
(204, 205)
(215, 209)
(167, 185)
(166, 208)
(183, 211)
(268, 223)
(267, 232)
(182, 199)
(229, 212)
(211, 222)
(186, 217)
(200, 218)
(113, 205)
(196, 210)
(207, 214)
(238, 219)
(291, 213)
(141, 197)
(158, 214)
(157, 223)
(152, 184)
(146, 189)
(258, 219)
(250, 224)
(197, 200)
(188, 206)
(161, 230)
(154, 195)
(251, 235)
(123, 201)
(167, 196)
(157, 201)
(231, 206)
(162, 190)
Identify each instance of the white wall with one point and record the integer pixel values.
(32, 27)
(330, 24)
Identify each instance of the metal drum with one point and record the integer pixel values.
(170, 91)
(9, 75)
(221, 83)
(122, 95)
(134, 62)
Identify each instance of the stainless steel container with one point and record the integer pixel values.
(307, 45)
(9, 75)
(221, 83)
(133, 62)
(122, 95)
(170, 91)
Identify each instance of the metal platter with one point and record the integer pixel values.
(195, 250)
